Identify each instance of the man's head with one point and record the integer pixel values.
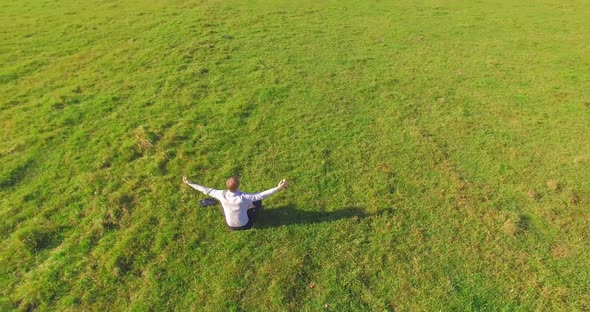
(233, 183)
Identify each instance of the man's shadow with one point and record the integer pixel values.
(288, 215)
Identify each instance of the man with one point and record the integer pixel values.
(240, 209)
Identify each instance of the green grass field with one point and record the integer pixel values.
(438, 154)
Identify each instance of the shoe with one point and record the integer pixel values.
(207, 202)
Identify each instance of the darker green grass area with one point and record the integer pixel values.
(437, 155)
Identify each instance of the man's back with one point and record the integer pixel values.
(235, 207)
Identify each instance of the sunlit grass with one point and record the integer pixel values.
(437, 154)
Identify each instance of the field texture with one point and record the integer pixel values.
(438, 154)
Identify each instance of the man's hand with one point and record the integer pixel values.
(282, 184)
(185, 180)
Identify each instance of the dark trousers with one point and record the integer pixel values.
(252, 216)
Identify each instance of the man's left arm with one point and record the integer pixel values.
(205, 190)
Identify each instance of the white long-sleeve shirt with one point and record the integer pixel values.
(235, 204)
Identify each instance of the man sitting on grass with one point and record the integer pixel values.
(240, 209)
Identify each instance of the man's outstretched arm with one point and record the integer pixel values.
(205, 190)
(267, 193)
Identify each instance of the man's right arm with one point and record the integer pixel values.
(267, 193)
(261, 195)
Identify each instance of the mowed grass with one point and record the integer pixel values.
(438, 155)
